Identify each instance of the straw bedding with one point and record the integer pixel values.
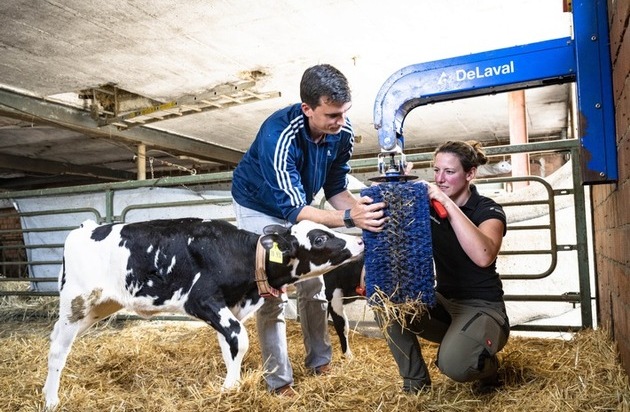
(177, 366)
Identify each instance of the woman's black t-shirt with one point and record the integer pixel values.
(457, 276)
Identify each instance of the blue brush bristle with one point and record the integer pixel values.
(399, 260)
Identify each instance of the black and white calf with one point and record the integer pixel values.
(205, 269)
(343, 286)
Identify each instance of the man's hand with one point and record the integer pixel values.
(368, 215)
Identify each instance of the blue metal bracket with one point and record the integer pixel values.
(595, 92)
(584, 59)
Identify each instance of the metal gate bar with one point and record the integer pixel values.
(571, 145)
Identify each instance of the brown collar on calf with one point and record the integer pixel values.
(264, 289)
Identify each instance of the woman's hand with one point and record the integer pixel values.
(437, 199)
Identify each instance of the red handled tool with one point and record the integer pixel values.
(439, 208)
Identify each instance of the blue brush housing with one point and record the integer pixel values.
(399, 260)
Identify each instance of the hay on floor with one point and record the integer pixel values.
(176, 366)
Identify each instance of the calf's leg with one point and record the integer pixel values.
(231, 334)
(64, 333)
(340, 321)
(233, 352)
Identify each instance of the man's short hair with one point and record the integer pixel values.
(324, 81)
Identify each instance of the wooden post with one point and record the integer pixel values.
(517, 113)
(141, 161)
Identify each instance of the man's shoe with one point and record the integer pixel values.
(322, 369)
(285, 391)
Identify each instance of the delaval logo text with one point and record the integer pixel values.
(479, 72)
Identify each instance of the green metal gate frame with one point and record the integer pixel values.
(584, 297)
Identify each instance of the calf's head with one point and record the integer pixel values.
(305, 250)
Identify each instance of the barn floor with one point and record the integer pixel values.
(176, 366)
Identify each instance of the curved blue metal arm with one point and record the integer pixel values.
(477, 74)
(585, 60)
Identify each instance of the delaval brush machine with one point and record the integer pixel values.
(398, 260)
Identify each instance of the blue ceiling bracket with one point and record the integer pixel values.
(584, 59)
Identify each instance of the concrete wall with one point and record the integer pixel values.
(611, 203)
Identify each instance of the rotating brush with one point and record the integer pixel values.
(399, 259)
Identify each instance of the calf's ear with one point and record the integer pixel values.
(277, 229)
(268, 241)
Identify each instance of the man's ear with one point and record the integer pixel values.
(307, 110)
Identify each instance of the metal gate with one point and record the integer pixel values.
(107, 212)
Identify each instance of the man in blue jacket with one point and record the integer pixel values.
(298, 151)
